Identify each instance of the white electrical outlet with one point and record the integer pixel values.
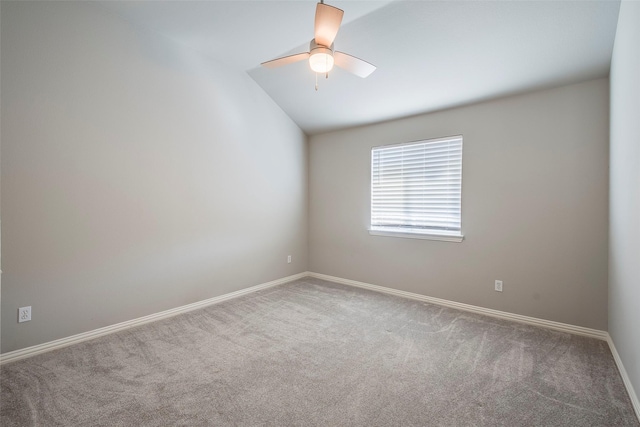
(289, 259)
(499, 285)
(24, 314)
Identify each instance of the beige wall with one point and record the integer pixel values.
(534, 207)
(624, 237)
(137, 176)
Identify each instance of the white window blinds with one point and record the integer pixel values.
(416, 187)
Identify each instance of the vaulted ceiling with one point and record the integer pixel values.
(430, 55)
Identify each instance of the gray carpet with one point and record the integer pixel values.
(316, 353)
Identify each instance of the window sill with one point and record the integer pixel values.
(444, 237)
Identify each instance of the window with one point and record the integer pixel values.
(416, 189)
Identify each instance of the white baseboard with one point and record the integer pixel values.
(563, 327)
(13, 356)
(625, 378)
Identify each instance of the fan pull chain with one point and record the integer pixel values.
(326, 76)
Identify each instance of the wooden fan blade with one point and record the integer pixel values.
(328, 19)
(279, 62)
(353, 65)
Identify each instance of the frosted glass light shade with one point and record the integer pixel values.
(321, 60)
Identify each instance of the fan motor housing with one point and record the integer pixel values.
(318, 48)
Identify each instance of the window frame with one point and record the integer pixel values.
(416, 233)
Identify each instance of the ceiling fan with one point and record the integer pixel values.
(321, 55)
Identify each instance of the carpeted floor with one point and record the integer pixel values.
(317, 353)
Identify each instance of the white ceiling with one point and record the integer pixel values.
(430, 54)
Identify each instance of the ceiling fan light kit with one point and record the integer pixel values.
(321, 55)
(320, 58)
